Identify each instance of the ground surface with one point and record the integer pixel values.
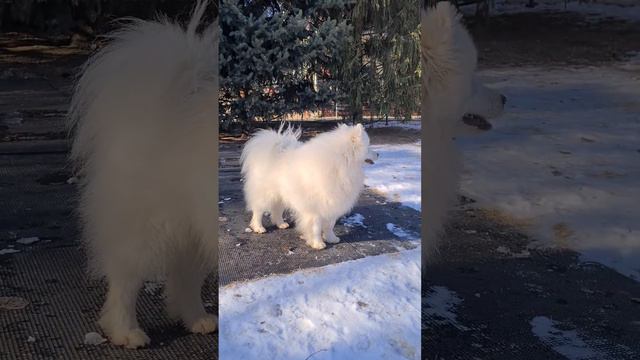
(496, 293)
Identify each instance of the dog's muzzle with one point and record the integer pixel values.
(371, 157)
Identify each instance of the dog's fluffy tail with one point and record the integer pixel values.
(262, 151)
(149, 71)
(448, 60)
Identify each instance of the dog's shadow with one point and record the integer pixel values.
(373, 219)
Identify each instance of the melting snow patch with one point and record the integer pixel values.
(565, 342)
(441, 306)
(28, 240)
(400, 232)
(93, 338)
(8, 251)
(355, 220)
(326, 313)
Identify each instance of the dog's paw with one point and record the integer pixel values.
(259, 229)
(131, 339)
(332, 239)
(205, 325)
(318, 245)
(283, 225)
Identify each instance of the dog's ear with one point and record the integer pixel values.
(357, 133)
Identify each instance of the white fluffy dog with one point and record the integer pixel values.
(319, 180)
(144, 113)
(449, 62)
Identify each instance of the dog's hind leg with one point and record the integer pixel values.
(311, 229)
(276, 212)
(186, 273)
(118, 318)
(327, 231)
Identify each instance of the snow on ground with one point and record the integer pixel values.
(361, 309)
(570, 344)
(396, 173)
(28, 240)
(565, 342)
(354, 220)
(441, 305)
(565, 157)
(594, 11)
(401, 232)
(8, 251)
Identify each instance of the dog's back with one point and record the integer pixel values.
(143, 115)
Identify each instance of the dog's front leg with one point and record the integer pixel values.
(118, 319)
(256, 221)
(185, 277)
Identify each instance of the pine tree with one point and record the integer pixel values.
(276, 58)
(382, 58)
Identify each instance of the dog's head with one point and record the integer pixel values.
(360, 142)
(483, 104)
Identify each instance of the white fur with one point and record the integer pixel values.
(449, 61)
(319, 180)
(144, 113)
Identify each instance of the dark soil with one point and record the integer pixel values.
(552, 39)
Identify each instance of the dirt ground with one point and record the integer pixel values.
(499, 287)
(554, 39)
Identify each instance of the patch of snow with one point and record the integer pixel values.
(565, 342)
(401, 233)
(28, 240)
(324, 312)
(31, 339)
(8, 251)
(441, 305)
(355, 220)
(93, 338)
(565, 157)
(397, 173)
